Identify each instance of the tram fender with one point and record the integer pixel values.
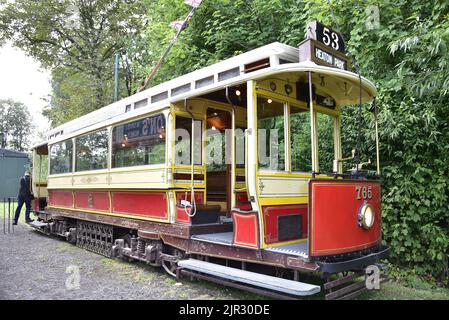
(354, 264)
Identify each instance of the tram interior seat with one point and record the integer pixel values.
(216, 187)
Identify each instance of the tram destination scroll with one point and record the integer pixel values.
(324, 47)
(149, 128)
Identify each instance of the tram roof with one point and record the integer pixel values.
(343, 87)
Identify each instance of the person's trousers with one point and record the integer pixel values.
(20, 203)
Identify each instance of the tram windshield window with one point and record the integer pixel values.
(138, 143)
(182, 141)
(61, 155)
(271, 134)
(92, 151)
(300, 139)
(326, 152)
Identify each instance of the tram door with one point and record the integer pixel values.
(218, 164)
(40, 176)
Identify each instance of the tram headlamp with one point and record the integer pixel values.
(366, 216)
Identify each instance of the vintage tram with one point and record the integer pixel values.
(232, 173)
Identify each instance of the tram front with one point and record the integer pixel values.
(310, 197)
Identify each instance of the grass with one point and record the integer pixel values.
(136, 271)
(412, 288)
(4, 212)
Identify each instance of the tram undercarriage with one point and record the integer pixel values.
(205, 251)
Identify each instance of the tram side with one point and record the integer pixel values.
(141, 185)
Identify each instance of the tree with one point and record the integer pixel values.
(15, 125)
(77, 40)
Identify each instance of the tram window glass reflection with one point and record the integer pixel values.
(61, 155)
(140, 142)
(182, 141)
(271, 134)
(326, 151)
(92, 151)
(301, 148)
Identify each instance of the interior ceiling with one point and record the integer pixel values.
(343, 90)
(237, 100)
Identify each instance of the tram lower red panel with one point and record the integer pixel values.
(246, 230)
(271, 215)
(181, 214)
(334, 209)
(98, 201)
(144, 204)
(60, 198)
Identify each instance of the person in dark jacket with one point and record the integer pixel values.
(25, 196)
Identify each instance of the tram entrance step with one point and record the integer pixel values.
(37, 224)
(250, 278)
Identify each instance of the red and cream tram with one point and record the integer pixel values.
(232, 173)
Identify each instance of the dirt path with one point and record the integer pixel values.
(34, 266)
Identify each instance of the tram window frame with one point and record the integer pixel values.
(79, 155)
(306, 131)
(149, 148)
(320, 153)
(198, 140)
(67, 157)
(285, 115)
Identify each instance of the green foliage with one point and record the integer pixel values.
(77, 40)
(15, 125)
(405, 56)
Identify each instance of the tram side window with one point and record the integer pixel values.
(92, 151)
(182, 141)
(271, 134)
(300, 139)
(61, 155)
(138, 143)
(325, 131)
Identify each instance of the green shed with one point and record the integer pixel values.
(12, 167)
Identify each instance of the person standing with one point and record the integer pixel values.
(25, 196)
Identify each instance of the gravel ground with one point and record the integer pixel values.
(35, 266)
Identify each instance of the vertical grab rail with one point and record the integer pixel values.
(4, 215)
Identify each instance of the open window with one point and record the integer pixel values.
(301, 151)
(218, 187)
(326, 142)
